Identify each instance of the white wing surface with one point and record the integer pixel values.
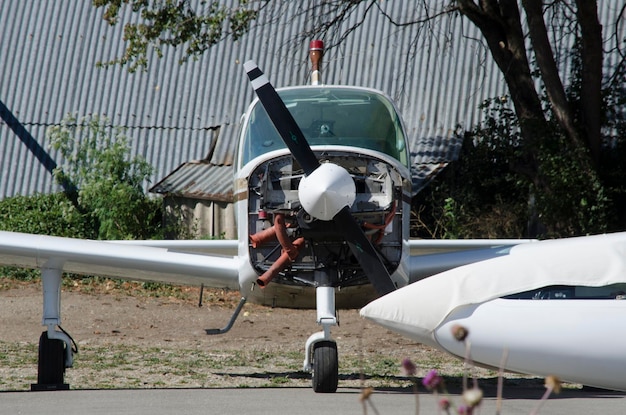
(122, 260)
(432, 256)
(228, 247)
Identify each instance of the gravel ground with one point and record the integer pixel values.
(129, 340)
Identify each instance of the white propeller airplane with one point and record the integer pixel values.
(555, 307)
(322, 195)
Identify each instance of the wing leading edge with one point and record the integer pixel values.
(127, 261)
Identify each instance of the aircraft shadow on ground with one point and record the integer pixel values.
(523, 388)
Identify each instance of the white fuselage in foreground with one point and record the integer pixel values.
(578, 340)
(575, 334)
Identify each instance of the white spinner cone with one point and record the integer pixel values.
(326, 191)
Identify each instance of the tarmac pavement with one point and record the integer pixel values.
(272, 401)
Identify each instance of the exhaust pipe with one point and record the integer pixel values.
(263, 236)
(290, 250)
(278, 231)
(316, 50)
(280, 264)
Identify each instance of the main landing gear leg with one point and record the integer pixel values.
(56, 351)
(321, 350)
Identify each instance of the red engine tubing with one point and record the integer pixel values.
(283, 238)
(290, 250)
(270, 233)
(380, 228)
(263, 236)
(280, 264)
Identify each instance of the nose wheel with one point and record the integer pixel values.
(325, 367)
(321, 350)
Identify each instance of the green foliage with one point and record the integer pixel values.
(109, 202)
(175, 23)
(613, 161)
(110, 194)
(487, 192)
(547, 188)
(478, 195)
(573, 200)
(50, 214)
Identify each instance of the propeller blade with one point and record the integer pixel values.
(364, 252)
(282, 118)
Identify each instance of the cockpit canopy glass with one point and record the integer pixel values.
(330, 116)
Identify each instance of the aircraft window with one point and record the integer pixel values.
(566, 292)
(330, 116)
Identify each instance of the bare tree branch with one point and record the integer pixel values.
(591, 88)
(445, 11)
(503, 32)
(549, 70)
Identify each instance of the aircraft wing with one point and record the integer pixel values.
(432, 256)
(227, 247)
(131, 261)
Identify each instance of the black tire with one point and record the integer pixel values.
(325, 367)
(51, 366)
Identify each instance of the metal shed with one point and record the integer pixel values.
(175, 113)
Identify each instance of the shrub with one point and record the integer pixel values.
(108, 182)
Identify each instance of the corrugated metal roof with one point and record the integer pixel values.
(49, 51)
(198, 180)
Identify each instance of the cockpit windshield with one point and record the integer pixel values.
(330, 116)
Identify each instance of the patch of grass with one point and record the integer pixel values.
(113, 366)
(129, 366)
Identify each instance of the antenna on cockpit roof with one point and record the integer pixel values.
(316, 50)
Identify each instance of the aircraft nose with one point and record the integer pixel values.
(419, 309)
(413, 311)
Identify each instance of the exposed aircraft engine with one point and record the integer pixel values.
(276, 213)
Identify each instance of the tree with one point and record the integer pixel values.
(175, 23)
(557, 127)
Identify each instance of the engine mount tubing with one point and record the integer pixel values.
(280, 264)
